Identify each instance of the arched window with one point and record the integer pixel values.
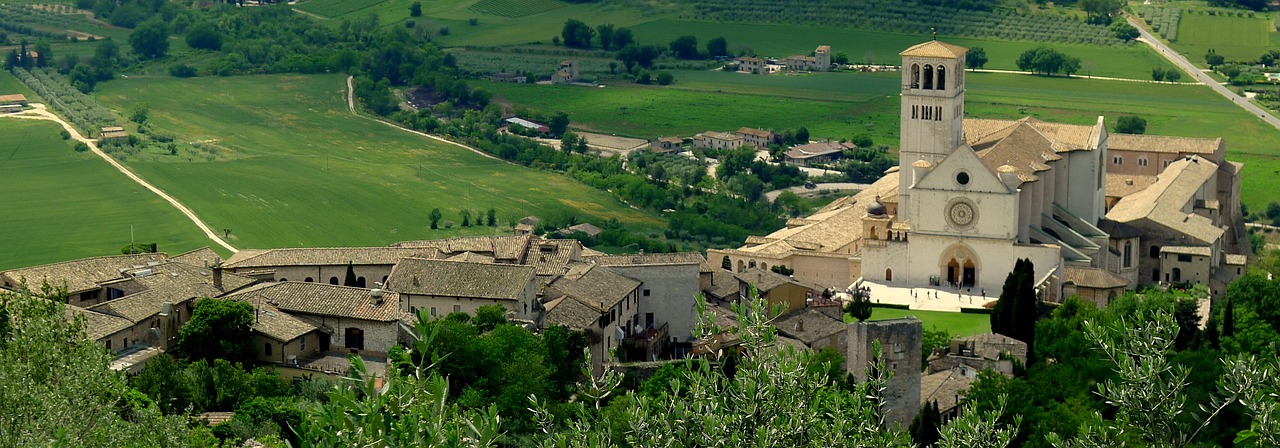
(873, 233)
(266, 349)
(751, 265)
(915, 76)
(726, 264)
(309, 280)
(360, 282)
(742, 267)
(763, 265)
(333, 280)
(928, 77)
(284, 279)
(888, 275)
(1128, 254)
(1177, 274)
(942, 77)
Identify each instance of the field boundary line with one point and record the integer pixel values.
(40, 113)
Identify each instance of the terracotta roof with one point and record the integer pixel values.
(945, 387)
(279, 325)
(824, 48)
(720, 135)
(172, 283)
(816, 149)
(83, 274)
(831, 228)
(322, 299)
(512, 247)
(572, 313)
(678, 258)
(471, 257)
(724, 286)
(203, 257)
(1164, 201)
(552, 257)
(755, 132)
(594, 285)
(1024, 148)
(808, 325)
(983, 133)
(325, 256)
(98, 325)
(1160, 143)
(1092, 278)
(460, 279)
(1203, 251)
(1121, 185)
(935, 49)
(766, 280)
(587, 228)
(13, 98)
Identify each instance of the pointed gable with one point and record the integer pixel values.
(935, 49)
(1025, 149)
(963, 159)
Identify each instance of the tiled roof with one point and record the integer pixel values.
(552, 257)
(1092, 278)
(721, 135)
(829, 229)
(587, 228)
(1025, 148)
(1164, 201)
(1118, 230)
(766, 280)
(83, 274)
(594, 285)
(471, 257)
(678, 258)
(572, 313)
(13, 98)
(500, 247)
(992, 346)
(1203, 251)
(983, 133)
(1160, 143)
(325, 256)
(460, 279)
(202, 257)
(755, 132)
(98, 325)
(945, 387)
(808, 325)
(1121, 185)
(323, 299)
(278, 325)
(724, 285)
(1237, 259)
(816, 149)
(935, 49)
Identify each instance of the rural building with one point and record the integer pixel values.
(752, 65)
(820, 61)
(112, 133)
(281, 338)
(591, 290)
(588, 229)
(717, 140)
(776, 289)
(816, 329)
(667, 144)
(323, 264)
(567, 72)
(508, 77)
(817, 153)
(971, 196)
(87, 280)
(12, 103)
(759, 138)
(1098, 286)
(442, 287)
(357, 320)
(517, 121)
(669, 286)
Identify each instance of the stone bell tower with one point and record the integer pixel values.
(932, 116)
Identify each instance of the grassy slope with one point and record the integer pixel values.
(62, 205)
(839, 105)
(1235, 38)
(958, 324)
(300, 170)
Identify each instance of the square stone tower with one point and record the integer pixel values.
(932, 115)
(900, 345)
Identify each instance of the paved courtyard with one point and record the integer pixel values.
(929, 298)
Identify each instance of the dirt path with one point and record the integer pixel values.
(40, 113)
(351, 105)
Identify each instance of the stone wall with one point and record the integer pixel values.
(900, 344)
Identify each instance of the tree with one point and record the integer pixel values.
(489, 316)
(1124, 31)
(1213, 59)
(218, 329)
(350, 279)
(717, 47)
(150, 39)
(1099, 12)
(924, 428)
(1047, 61)
(1131, 124)
(1173, 75)
(435, 218)
(1070, 65)
(685, 47)
(576, 34)
(1157, 73)
(44, 53)
(204, 35)
(1017, 309)
(975, 58)
(605, 32)
(415, 9)
(644, 77)
(802, 135)
(466, 218)
(559, 123)
(1228, 319)
(140, 113)
(491, 217)
(859, 306)
(622, 38)
(664, 78)
(1269, 58)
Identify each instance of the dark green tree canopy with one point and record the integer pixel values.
(218, 329)
(150, 39)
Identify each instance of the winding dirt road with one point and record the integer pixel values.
(351, 105)
(38, 112)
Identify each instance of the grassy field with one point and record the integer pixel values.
(839, 105)
(1235, 38)
(958, 324)
(62, 205)
(297, 169)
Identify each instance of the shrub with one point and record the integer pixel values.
(665, 78)
(81, 147)
(182, 71)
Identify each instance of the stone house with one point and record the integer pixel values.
(566, 72)
(980, 352)
(441, 287)
(666, 144)
(669, 285)
(352, 319)
(1098, 286)
(814, 328)
(759, 138)
(778, 290)
(717, 140)
(614, 297)
(752, 65)
(84, 279)
(816, 153)
(281, 338)
(323, 264)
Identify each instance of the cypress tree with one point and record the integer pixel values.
(351, 276)
(1228, 319)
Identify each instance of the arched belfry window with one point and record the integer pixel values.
(942, 77)
(928, 77)
(915, 76)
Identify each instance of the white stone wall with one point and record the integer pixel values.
(672, 296)
(323, 274)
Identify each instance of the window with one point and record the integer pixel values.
(942, 77)
(108, 344)
(646, 293)
(1128, 254)
(1155, 275)
(962, 178)
(1177, 274)
(266, 349)
(333, 280)
(433, 311)
(1155, 251)
(1184, 258)
(1142, 161)
(309, 280)
(124, 343)
(915, 76)
(457, 308)
(282, 279)
(928, 77)
(360, 282)
(915, 112)
(938, 115)
(1167, 162)
(302, 343)
(1117, 160)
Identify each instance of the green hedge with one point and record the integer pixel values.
(891, 305)
(975, 310)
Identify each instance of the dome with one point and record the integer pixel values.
(876, 208)
(1007, 169)
(922, 164)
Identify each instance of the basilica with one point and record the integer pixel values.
(1095, 213)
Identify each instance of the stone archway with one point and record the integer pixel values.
(888, 274)
(959, 266)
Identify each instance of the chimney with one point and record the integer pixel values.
(800, 325)
(217, 276)
(376, 294)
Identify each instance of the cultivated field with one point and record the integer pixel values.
(515, 8)
(1235, 38)
(302, 170)
(60, 204)
(337, 8)
(840, 105)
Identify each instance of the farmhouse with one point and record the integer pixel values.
(759, 138)
(820, 61)
(752, 65)
(112, 133)
(590, 291)
(816, 153)
(517, 121)
(666, 144)
(717, 140)
(508, 77)
(12, 103)
(971, 196)
(567, 72)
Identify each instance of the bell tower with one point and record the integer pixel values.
(932, 115)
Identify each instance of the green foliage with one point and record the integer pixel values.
(489, 317)
(717, 47)
(664, 78)
(859, 306)
(218, 329)
(924, 428)
(205, 36)
(685, 47)
(930, 340)
(182, 71)
(1131, 124)
(976, 57)
(1047, 61)
(415, 9)
(577, 34)
(1017, 310)
(150, 39)
(435, 218)
(1124, 31)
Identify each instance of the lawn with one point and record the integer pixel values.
(62, 205)
(958, 324)
(1235, 38)
(295, 168)
(840, 105)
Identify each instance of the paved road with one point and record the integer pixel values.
(1077, 75)
(1200, 75)
(818, 187)
(351, 105)
(40, 113)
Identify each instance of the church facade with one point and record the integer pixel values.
(971, 196)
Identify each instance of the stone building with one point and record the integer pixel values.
(900, 342)
(441, 287)
(323, 264)
(668, 289)
(358, 320)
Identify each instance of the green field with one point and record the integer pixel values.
(337, 8)
(297, 169)
(516, 8)
(62, 205)
(958, 324)
(1235, 38)
(840, 105)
